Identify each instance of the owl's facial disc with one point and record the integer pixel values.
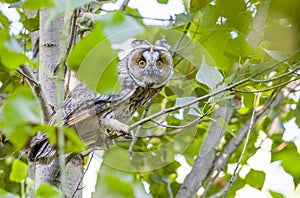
(151, 66)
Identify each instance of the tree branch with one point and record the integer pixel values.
(37, 89)
(230, 87)
(206, 155)
(251, 124)
(138, 130)
(267, 89)
(124, 5)
(221, 161)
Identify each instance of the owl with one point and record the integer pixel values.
(144, 71)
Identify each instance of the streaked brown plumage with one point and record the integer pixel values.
(143, 73)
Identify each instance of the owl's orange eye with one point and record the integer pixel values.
(142, 63)
(159, 64)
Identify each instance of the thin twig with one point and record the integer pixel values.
(184, 76)
(277, 77)
(24, 72)
(87, 167)
(71, 43)
(174, 132)
(138, 130)
(7, 156)
(36, 87)
(181, 38)
(236, 170)
(267, 89)
(179, 127)
(169, 189)
(210, 183)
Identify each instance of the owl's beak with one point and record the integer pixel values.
(150, 69)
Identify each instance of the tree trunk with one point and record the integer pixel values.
(51, 51)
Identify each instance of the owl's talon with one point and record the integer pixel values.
(128, 136)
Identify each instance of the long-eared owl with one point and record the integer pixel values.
(144, 71)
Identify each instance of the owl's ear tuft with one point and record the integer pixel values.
(137, 43)
(163, 43)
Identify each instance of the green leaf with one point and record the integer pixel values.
(124, 188)
(11, 53)
(162, 1)
(19, 171)
(73, 142)
(276, 55)
(193, 109)
(32, 24)
(183, 101)
(37, 4)
(183, 18)
(209, 76)
(222, 122)
(255, 178)
(85, 46)
(112, 177)
(118, 27)
(48, 191)
(93, 57)
(288, 156)
(239, 47)
(4, 22)
(297, 112)
(5, 194)
(95, 61)
(195, 5)
(248, 99)
(54, 7)
(171, 168)
(21, 112)
(276, 194)
(11, 1)
(237, 184)
(231, 8)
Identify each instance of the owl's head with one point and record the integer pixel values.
(148, 65)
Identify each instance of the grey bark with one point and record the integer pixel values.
(205, 158)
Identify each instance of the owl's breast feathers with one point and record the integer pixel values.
(133, 100)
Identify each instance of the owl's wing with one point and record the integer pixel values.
(77, 107)
(83, 103)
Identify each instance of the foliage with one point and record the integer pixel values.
(226, 53)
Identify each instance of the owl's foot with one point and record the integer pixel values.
(118, 127)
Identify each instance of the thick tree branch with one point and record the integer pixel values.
(206, 155)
